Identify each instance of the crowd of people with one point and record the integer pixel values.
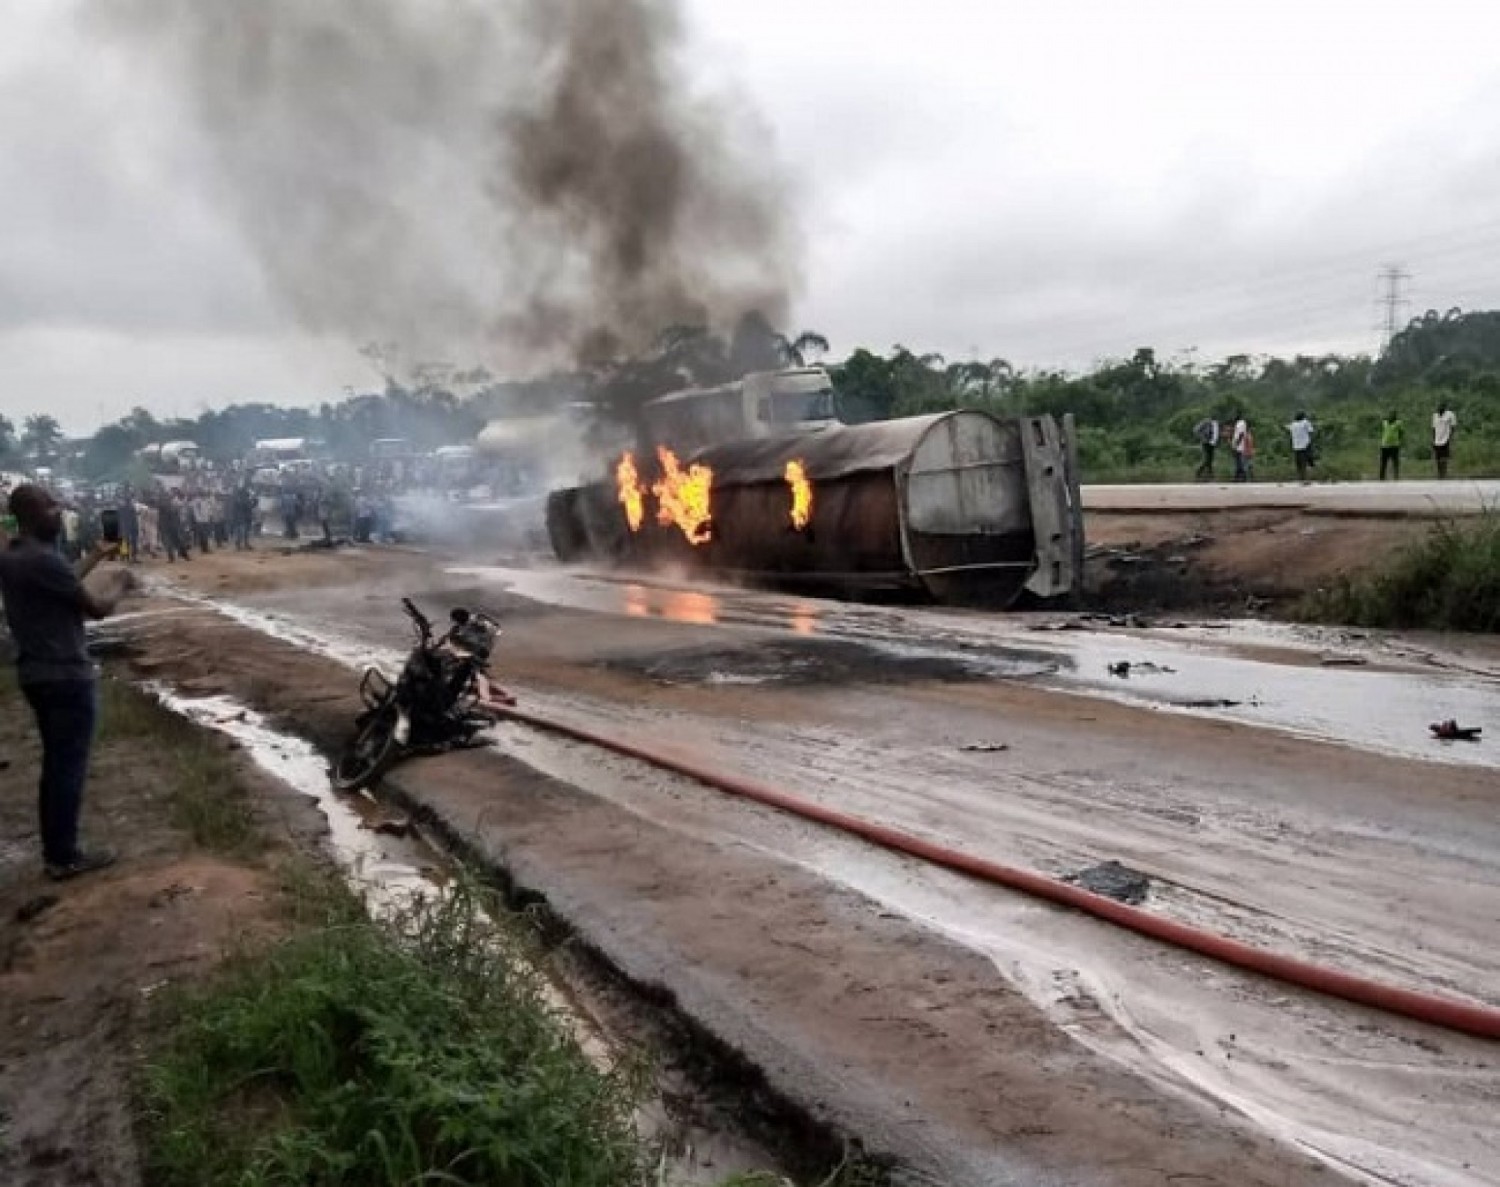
(1239, 434)
(206, 511)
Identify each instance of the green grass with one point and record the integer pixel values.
(850, 1173)
(205, 794)
(363, 1053)
(1449, 580)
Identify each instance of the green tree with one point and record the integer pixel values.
(109, 452)
(42, 436)
(796, 351)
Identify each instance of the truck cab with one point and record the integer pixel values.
(762, 404)
(795, 401)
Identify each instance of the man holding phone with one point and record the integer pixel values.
(45, 604)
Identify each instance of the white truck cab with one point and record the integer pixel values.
(762, 404)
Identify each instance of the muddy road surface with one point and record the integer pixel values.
(1275, 785)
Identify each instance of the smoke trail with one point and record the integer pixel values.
(519, 182)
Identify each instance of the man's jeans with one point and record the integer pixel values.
(65, 714)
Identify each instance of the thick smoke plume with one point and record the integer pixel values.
(522, 183)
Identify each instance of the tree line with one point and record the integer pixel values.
(1135, 414)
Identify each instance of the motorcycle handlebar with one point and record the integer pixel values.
(417, 616)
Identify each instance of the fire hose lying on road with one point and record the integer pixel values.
(1465, 1017)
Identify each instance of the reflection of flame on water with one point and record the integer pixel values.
(804, 621)
(696, 609)
(683, 497)
(802, 494)
(675, 605)
(632, 493)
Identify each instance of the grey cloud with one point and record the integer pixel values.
(99, 231)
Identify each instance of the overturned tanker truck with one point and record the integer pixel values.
(960, 507)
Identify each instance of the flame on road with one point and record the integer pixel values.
(684, 497)
(802, 494)
(632, 493)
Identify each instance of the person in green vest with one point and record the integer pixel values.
(1392, 433)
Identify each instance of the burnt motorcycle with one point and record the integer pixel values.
(440, 701)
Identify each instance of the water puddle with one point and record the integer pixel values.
(1387, 712)
(386, 870)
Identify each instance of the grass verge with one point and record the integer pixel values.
(413, 1051)
(206, 797)
(1449, 580)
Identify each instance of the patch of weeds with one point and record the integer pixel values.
(850, 1173)
(419, 1050)
(1449, 580)
(189, 764)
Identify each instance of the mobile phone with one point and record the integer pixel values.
(109, 526)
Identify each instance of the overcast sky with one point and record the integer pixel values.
(1051, 183)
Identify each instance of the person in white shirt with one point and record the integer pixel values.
(1239, 445)
(1301, 430)
(1443, 424)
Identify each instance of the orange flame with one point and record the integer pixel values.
(632, 493)
(802, 494)
(683, 497)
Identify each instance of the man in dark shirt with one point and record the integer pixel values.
(45, 605)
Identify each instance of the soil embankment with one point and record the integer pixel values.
(1234, 560)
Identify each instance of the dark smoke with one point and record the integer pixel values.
(524, 183)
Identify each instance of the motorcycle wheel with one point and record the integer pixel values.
(371, 752)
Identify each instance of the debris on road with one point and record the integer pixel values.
(1132, 622)
(1125, 668)
(390, 826)
(985, 747)
(1342, 661)
(1451, 731)
(1113, 880)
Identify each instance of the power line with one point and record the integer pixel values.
(1393, 277)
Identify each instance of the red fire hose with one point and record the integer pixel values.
(1466, 1017)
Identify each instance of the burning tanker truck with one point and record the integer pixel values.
(758, 481)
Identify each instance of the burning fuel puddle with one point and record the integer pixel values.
(389, 869)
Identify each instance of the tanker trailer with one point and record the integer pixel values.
(957, 506)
